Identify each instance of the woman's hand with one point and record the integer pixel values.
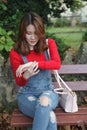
(32, 70)
(30, 67)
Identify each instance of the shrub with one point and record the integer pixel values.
(62, 22)
(84, 37)
(6, 43)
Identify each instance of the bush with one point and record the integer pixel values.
(62, 22)
(6, 43)
(84, 37)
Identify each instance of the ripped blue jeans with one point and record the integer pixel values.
(40, 108)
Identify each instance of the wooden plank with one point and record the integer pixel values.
(75, 85)
(63, 118)
(73, 69)
(81, 111)
(21, 121)
(75, 118)
(72, 120)
(58, 110)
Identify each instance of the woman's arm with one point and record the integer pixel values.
(54, 62)
(22, 72)
(16, 61)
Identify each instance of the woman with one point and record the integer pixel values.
(31, 67)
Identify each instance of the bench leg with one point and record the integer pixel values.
(60, 127)
(19, 128)
(23, 128)
(67, 127)
(83, 127)
(12, 128)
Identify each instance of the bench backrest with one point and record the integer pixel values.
(73, 69)
(77, 69)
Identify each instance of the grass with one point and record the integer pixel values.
(71, 36)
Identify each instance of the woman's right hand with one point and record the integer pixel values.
(32, 70)
(29, 68)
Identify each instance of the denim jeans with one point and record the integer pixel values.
(42, 113)
(37, 99)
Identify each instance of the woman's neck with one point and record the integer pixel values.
(31, 47)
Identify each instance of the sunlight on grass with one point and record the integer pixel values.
(73, 40)
(71, 36)
(64, 29)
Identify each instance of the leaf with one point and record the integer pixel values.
(2, 31)
(2, 39)
(1, 47)
(9, 33)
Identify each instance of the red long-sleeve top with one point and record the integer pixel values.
(53, 63)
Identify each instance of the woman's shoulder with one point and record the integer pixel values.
(15, 56)
(50, 41)
(14, 53)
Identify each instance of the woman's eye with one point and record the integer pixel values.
(28, 33)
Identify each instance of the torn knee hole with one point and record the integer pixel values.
(44, 101)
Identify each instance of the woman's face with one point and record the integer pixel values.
(31, 36)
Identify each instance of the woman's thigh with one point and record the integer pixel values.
(27, 104)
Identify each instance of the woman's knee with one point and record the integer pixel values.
(44, 101)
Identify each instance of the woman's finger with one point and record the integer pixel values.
(23, 68)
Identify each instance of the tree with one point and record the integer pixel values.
(59, 6)
(11, 12)
(42, 7)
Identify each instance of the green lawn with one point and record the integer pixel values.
(71, 36)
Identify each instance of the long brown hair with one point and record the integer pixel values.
(21, 46)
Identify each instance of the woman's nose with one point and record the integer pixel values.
(33, 36)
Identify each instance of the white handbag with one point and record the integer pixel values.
(68, 98)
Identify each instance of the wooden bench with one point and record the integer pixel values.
(19, 120)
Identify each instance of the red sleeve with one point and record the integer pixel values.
(15, 61)
(54, 62)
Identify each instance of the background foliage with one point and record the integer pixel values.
(12, 11)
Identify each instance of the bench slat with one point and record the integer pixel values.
(76, 85)
(73, 69)
(66, 120)
(63, 118)
(82, 111)
(21, 121)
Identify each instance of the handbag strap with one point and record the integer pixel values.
(66, 87)
(60, 89)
